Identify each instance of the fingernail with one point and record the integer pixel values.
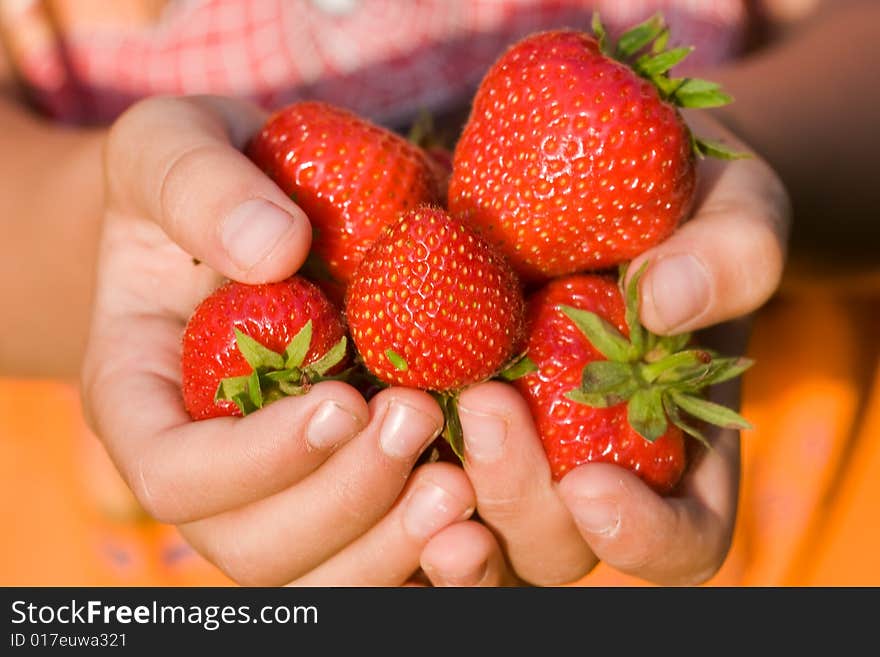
(679, 288)
(484, 435)
(466, 578)
(405, 430)
(330, 425)
(430, 509)
(252, 231)
(597, 516)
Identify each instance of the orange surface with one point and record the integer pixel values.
(808, 504)
(69, 518)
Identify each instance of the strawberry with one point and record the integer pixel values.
(351, 177)
(433, 306)
(607, 390)
(575, 156)
(248, 345)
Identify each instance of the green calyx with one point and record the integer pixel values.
(277, 375)
(644, 48)
(452, 431)
(660, 378)
(518, 366)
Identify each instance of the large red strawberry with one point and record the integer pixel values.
(248, 345)
(606, 390)
(575, 156)
(351, 177)
(433, 306)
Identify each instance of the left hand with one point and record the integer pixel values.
(722, 264)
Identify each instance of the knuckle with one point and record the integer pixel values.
(244, 559)
(501, 508)
(178, 171)
(128, 128)
(350, 503)
(227, 554)
(156, 494)
(767, 256)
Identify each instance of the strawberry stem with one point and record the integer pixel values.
(273, 375)
(452, 431)
(644, 49)
(657, 377)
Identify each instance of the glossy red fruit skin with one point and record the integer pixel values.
(573, 433)
(570, 161)
(272, 314)
(439, 296)
(350, 176)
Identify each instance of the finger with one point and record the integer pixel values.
(466, 554)
(280, 538)
(681, 540)
(436, 496)
(181, 470)
(174, 160)
(728, 259)
(516, 496)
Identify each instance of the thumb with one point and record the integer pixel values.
(175, 161)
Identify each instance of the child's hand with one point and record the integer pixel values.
(725, 262)
(309, 489)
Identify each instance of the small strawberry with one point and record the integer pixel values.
(607, 390)
(351, 177)
(433, 306)
(248, 345)
(575, 156)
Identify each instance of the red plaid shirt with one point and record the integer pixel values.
(85, 61)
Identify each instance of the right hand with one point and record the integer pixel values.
(310, 490)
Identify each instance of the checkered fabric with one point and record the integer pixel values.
(85, 61)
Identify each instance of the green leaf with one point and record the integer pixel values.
(697, 85)
(244, 403)
(287, 375)
(684, 365)
(518, 369)
(230, 387)
(257, 356)
(452, 431)
(637, 333)
(331, 359)
(717, 371)
(710, 412)
(397, 360)
(602, 335)
(640, 36)
(725, 369)
(660, 63)
(718, 150)
(606, 383)
(644, 412)
(605, 375)
(298, 348)
(668, 86)
(676, 419)
(596, 400)
(600, 33)
(292, 388)
(661, 42)
(695, 93)
(667, 345)
(255, 392)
